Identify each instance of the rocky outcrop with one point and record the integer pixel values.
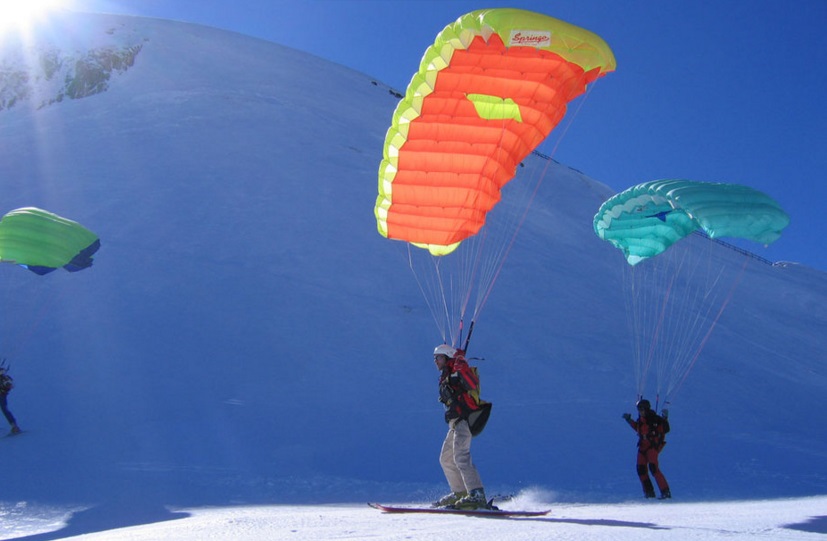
(50, 76)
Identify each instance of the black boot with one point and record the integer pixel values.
(648, 489)
(666, 494)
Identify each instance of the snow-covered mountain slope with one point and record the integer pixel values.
(245, 335)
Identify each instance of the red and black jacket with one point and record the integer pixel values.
(455, 382)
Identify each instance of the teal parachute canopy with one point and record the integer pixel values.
(646, 219)
(41, 241)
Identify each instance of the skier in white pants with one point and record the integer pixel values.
(456, 381)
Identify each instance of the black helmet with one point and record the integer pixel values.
(644, 404)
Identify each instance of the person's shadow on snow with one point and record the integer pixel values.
(814, 525)
(108, 516)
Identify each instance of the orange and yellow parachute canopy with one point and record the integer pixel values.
(488, 91)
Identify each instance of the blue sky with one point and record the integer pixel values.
(724, 93)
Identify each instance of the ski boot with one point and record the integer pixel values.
(449, 499)
(474, 500)
(648, 489)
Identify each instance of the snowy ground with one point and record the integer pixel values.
(804, 518)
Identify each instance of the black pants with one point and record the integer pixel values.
(4, 405)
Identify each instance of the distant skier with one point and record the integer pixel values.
(651, 429)
(6, 385)
(459, 392)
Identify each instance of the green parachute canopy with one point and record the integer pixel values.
(645, 220)
(42, 241)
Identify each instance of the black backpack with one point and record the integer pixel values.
(478, 418)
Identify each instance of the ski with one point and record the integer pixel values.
(469, 512)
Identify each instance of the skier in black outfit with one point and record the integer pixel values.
(6, 385)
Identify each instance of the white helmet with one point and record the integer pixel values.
(446, 350)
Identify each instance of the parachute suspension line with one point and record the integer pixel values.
(432, 291)
(674, 388)
(447, 282)
(635, 324)
(497, 260)
(674, 331)
(664, 304)
(691, 311)
(506, 247)
(686, 314)
(652, 304)
(674, 302)
(649, 291)
(473, 265)
(443, 292)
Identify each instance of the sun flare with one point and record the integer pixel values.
(20, 14)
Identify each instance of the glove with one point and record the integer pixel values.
(664, 414)
(627, 416)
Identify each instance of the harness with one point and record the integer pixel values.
(655, 433)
